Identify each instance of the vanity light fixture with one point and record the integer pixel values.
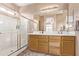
(50, 8)
(6, 11)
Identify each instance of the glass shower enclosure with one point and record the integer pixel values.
(12, 36)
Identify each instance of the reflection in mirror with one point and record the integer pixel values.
(49, 24)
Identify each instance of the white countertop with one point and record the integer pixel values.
(56, 34)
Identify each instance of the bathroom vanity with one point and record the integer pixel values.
(53, 44)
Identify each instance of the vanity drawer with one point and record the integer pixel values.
(66, 38)
(43, 40)
(55, 40)
(54, 37)
(43, 37)
(54, 44)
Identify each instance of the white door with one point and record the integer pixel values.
(8, 35)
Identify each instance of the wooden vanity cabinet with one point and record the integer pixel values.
(54, 45)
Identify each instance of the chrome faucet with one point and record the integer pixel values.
(60, 32)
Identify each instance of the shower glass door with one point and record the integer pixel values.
(8, 35)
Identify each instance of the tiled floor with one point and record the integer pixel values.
(31, 53)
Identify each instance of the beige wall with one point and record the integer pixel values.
(41, 23)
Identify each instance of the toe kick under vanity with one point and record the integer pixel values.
(54, 44)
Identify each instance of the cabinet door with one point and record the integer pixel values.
(33, 43)
(68, 45)
(54, 45)
(43, 44)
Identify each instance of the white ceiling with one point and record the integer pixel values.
(34, 8)
(22, 4)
